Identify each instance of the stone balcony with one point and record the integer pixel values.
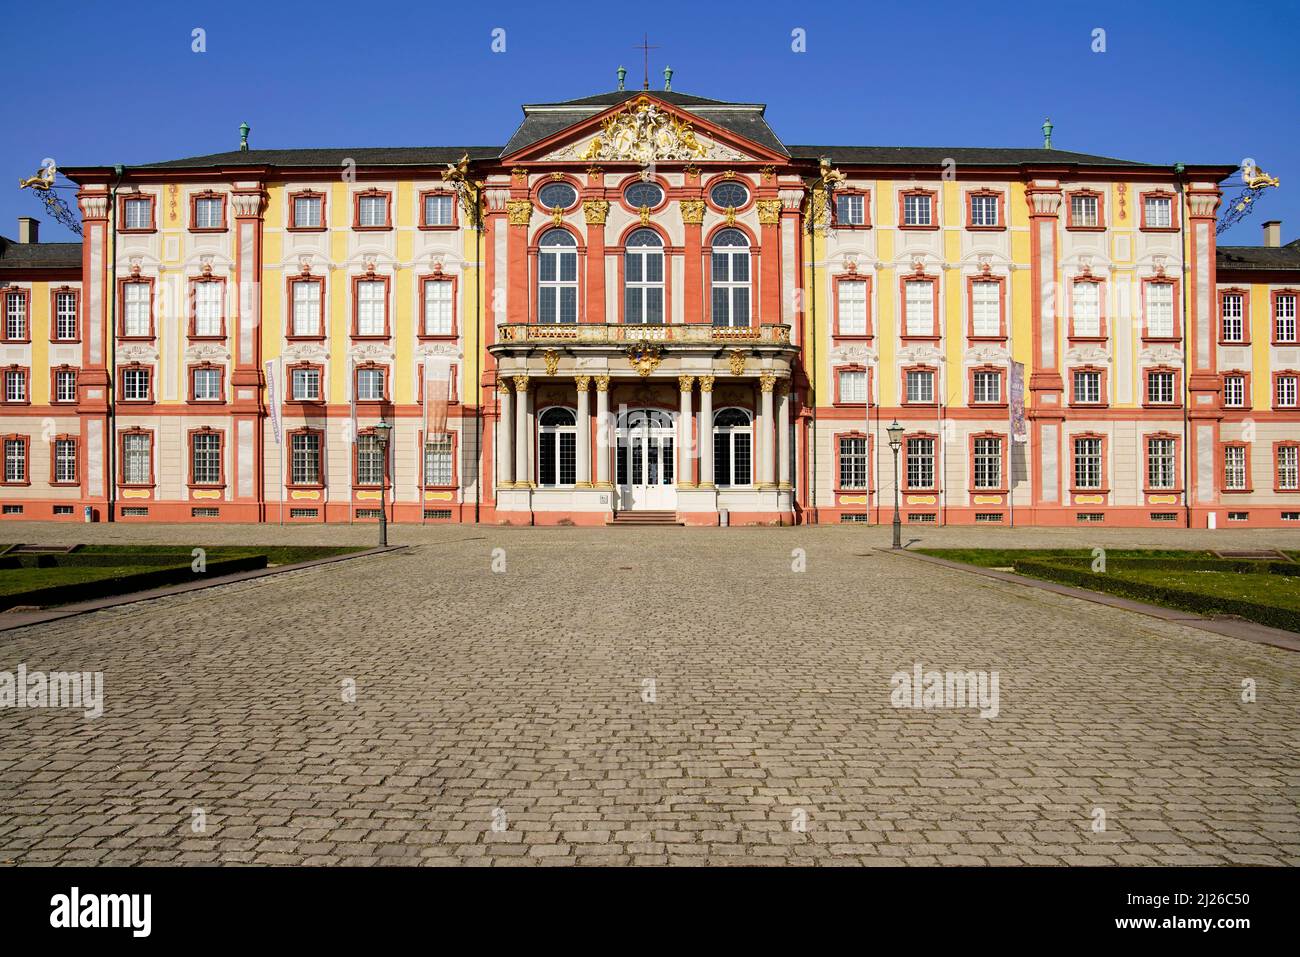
(618, 334)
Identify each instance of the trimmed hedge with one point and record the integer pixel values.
(1202, 604)
(125, 584)
(95, 560)
(1242, 566)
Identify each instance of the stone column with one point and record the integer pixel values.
(583, 382)
(603, 430)
(505, 436)
(783, 434)
(595, 211)
(706, 431)
(767, 478)
(523, 458)
(685, 479)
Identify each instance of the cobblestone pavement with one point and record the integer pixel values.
(518, 698)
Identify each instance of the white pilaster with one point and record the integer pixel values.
(522, 457)
(706, 431)
(767, 477)
(685, 383)
(783, 434)
(505, 436)
(603, 431)
(583, 383)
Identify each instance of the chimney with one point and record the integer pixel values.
(29, 229)
(1272, 232)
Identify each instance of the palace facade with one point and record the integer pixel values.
(647, 305)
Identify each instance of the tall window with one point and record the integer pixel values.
(207, 212)
(304, 458)
(1160, 388)
(437, 209)
(1159, 212)
(557, 447)
(920, 386)
(370, 460)
(731, 279)
(372, 211)
(1086, 308)
(15, 460)
(1234, 467)
(371, 295)
(1083, 211)
(1234, 391)
(852, 307)
(1087, 463)
(137, 455)
(1288, 467)
(1160, 309)
(65, 315)
(1161, 463)
(1087, 387)
(853, 461)
(137, 214)
(304, 384)
(1284, 317)
(1233, 306)
(65, 460)
(1285, 392)
(205, 450)
(15, 385)
(986, 308)
(437, 459)
(15, 315)
(733, 447)
(307, 212)
(135, 309)
(643, 278)
(557, 278)
(207, 309)
(983, 210)
(986, 386)
(438, 307)
(306, 307)
(207, 385)
(988, 461)
(853, 386)
(917, 209)
(370, 384)
(65, 385)
(850, 209)
(919, 307)
(135, 384)
(920, 462)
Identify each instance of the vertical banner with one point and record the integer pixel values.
(273, 395)
(1016, 403)
(437, 393)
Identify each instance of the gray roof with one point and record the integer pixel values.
(362, 156)
(962, 155)
(1260, 258)
(15, 255)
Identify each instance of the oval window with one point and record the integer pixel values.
(729, 195)
(557, 194)
(643, 194)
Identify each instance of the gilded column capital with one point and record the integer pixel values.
(503, 385)
(519, 211)
(706, 383)
(769, 212)
(767, 381)
(685, 382)
(583, 382)
(521, 384)
(595, 211)
(692, 211)
(602, 383)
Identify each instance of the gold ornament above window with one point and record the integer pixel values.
(643, 133)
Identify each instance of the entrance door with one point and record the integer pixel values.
(645, 457)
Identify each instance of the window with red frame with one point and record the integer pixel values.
(305, 451)
(984, 209)
(1161, 387)
(918, 209)
(438, 469)
(1236, 468)
(16, 459)
(308, 211)
(919, 307)
(371, 383)
(372, 306)
(919, 386)
(137, 458)
(307, 309)
(206, 383)
(65, 461)
(305, 383)
(1159, 309)
(852, 302)
(1234, 391)
(65, 316)
(1089, 469)
(1085, 309)
(205, 458)
(852, 386)
(1087, 386)
(439, 307)
(209, 305)
(16, 315)
(1085, 211)
(1162, 462)
(137, 304)
(986, 387)
(372, 211)
(1288, 467)
(850, 209)
(1284, 318)
(987, 452)
(1284, 391)
(1232, 312)
(853, 462)
(920, 461)
(1157, 211)
(137, 384)
(439, 210)
(16, 386)
(137, 213)
(209, 212)
(65, 385)
(986, 309)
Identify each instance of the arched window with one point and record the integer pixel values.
(731, 278)
(643, 278)
(557, 278)
(733, 444)
(557, 445)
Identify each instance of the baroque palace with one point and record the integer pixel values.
(647, 305)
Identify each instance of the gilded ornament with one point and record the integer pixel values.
(769, 211)
(767, 381)
(503, 385)
(521, 384)
(519, 211)
(692, 211)
(551, 358)
(644, 357)
(602, 383)
(706, 383)
(644, 133)
(583, 382)
(685, 382)
(736, 358)
(645, 215)
(595, 211)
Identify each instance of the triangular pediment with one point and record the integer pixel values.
(643, 130)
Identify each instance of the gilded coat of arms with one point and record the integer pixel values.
(643, 133)
(645, 357)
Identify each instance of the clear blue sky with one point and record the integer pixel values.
(1192, 81)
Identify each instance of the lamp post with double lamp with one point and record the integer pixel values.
(895, 433)
(382, 430)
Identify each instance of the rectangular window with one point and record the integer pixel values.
(15, 460)
(437, 307)
(920, 386)
(370, 385)
(984, 211)
(853, 386)
(135, 385)
(370, 308)
(853, 307)
(65, 460)
(207, 385)
(1234, 391)
(1086, 309)
(916, 209)
(304, 458)
(1286, 391)
(207, 309)
(65, 316)
(1087, 387)
(1159, 212)
(1083, 211)
(370, 460)
(853, 462)
(1288, 467)
(372, 211)
(306, 308)
(1160, 388)
(919, 304)
(207, 212)
(1284, 318)
(15, 385)
(136, 321)
(987, 386)
(304, 385)
(307, 212)
(437, 460)
(206, 452)
(986, 309)
(137, 452)
(850, 210)
(65, 386)
(15, 315)
(437, 210)
(1087, 463)
(1160, 310)
(137, 214)
(988, 462)
(1233, 305)
(920, 463)
(1161, 463)
(1234, 467)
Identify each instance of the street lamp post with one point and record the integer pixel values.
(382, 431)
(895, 432)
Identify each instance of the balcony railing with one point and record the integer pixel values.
(600, 333)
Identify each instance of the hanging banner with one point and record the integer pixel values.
(1016, 403)
(273, 396)
(437, 392)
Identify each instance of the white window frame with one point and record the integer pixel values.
(641, 305)
(557, 278)
(307, 307)
(853, 386)
(732, 279)
(852, 307)
(1159, 311)
(986, 309)
(372, 295)
(439, 307)
(65, 316)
